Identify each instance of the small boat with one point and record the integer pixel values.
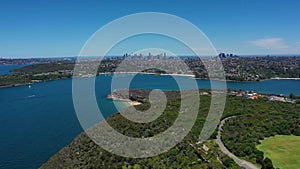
(31, 96)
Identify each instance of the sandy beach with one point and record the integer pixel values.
(130, 102)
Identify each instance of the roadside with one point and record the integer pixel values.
(240, 162)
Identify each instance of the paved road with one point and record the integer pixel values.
(239, 161)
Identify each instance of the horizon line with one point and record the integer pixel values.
(234, 55)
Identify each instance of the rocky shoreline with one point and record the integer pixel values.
(118, 98)
(130, 96)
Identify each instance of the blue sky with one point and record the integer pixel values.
(34, 28)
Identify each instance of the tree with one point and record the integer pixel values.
(136, 166)
(227, 161)
(292, 96)
(267, 164)
(259, 157)
(297, 131)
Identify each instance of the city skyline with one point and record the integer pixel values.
(54, 29)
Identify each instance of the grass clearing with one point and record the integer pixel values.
(284, 151)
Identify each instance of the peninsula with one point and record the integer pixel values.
(236, 68)
(253, 120)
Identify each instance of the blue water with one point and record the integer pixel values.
(269, 86)
(5, 69)
(37, 121)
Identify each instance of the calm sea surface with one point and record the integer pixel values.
(5, 69)
(37, 121)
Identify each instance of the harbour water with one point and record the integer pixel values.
(5, 69)
(37, 121)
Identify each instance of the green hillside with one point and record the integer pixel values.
(241, 135)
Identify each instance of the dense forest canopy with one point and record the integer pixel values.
(253, 120)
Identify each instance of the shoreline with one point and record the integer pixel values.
(161, 74)
(130, 102)
(32, 82)
(284, 78)
(14, 85)
(175, 74)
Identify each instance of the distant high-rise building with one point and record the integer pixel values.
(222, 55)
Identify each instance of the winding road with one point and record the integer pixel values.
(239, 161)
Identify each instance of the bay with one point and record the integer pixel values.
(37, 121)
(5, 69)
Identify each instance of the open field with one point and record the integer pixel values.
(284, 151)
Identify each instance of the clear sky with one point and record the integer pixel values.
(35, 28)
